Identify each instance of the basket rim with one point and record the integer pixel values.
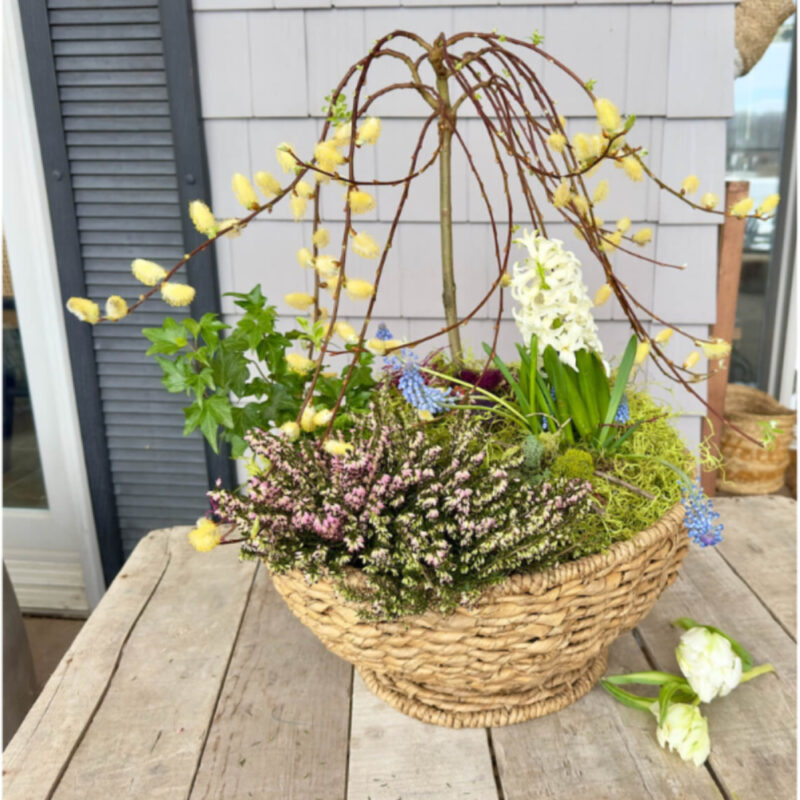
(542, 580)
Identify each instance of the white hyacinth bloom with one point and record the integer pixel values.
(553, 300)
(684, 730)
(709, 663)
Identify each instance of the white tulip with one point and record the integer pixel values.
(709, 663)
(684, 730)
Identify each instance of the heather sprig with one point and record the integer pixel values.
(427, 513)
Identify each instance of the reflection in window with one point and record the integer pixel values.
(23, 482)
(755, 150)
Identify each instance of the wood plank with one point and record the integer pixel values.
(148, 734)
(281, 726)
(597, 748)
(760, 545)
(41, 748)
(753, 737)
(394, 756)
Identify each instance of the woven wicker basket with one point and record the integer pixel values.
(529, 646)
(748, 468)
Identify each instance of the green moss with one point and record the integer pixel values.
(574, 463)
(627, 512)
(533, 450)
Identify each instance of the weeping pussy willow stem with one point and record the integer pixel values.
(446, 125)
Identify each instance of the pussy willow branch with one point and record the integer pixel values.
(521, 136)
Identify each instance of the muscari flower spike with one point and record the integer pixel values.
(623, 414)
(700, 515)
(411, 382)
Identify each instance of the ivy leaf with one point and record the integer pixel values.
(229, 369)
(169, 339)
(175, 374)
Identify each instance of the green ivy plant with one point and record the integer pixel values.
(239, 380)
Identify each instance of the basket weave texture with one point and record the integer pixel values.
(527, 647)
(748, 468)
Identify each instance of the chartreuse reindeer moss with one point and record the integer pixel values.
(642, 462)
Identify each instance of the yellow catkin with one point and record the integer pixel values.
(717, 348)
(691, 360)
(611, 242)
(234, 225)
(633, 169)
(360, 202)
(691, 183)
(177, 294)
(116, 308)
(305, 258)
(607, 115)
(326, 265)
(623, 224)
(267, 183)
(581, 205)
(770, 204)
(369, 132)
(205, 536)
(307, 419)
(244, 191)
(299, 363)
(602, 295)
(304, 189)
(642, 351)
(557, 141)
(85, 310)
(322, 417)
(291, 430)
(358, 289)
(709, 200)
(336, 447)
(346, 332)
(365, 246)
(343, 133)
(321, 238)
(147, 272)
(584, 147)
(327, 156)
(285, 158)
(643, 236)
(202, 218)
(299, 300)
(662, 337)
(742, 208)
(600, 192)
(562, 195)
(298, 205)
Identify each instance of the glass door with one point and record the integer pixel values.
(49, 539)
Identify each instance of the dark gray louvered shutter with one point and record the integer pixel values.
(129, 201)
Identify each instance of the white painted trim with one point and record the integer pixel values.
(32, 257)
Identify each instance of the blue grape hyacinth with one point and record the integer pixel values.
(700, 515)
(411, 382)
(623, 414)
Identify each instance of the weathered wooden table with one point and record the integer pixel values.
(192, 679)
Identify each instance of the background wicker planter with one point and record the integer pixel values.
(529, 646)
(748, 468)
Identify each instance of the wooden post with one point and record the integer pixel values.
(731, 245)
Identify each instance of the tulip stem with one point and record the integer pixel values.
(755, 672)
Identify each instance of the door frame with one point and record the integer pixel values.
(40, 544)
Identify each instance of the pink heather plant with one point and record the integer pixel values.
(429, 514)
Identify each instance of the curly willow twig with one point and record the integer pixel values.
(518, 116)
